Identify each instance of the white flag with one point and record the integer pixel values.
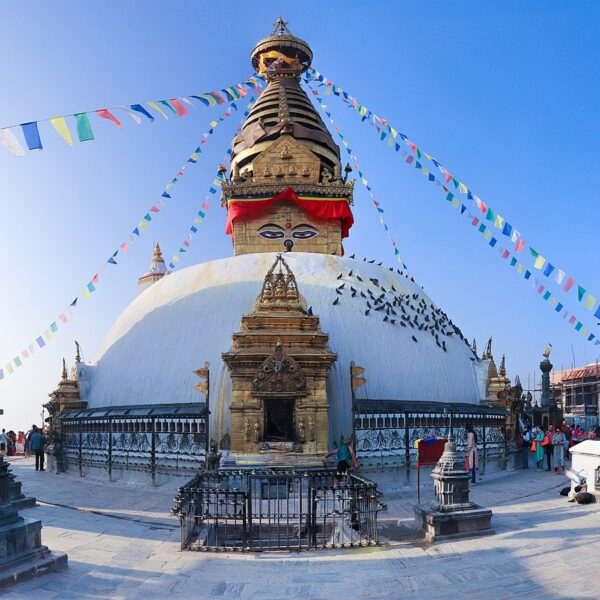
(134, 116)
(11, 143)
(559, 277)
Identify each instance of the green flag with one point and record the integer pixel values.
(84, 128)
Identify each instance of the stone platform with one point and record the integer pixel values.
(123, 545)
(439, 526)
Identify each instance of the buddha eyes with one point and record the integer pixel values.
(304, 234)
(271, 234)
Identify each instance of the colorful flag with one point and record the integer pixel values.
(62, 129)
(159, 109)
(106, 114)
(32, 135)
(590, 301)
(180, 109)
(84, 127)
(139, 108)
(11, 143)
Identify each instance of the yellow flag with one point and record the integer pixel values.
(62, 128)
(539, 262)
(143, 225)
(584, 332)
(176, 258)
(553, 300)
(488, 234)
(456, 203)
(9, 368)
(520, 268)
(463, 188)
(48, 334)
(425, 170)
(213, 123)
(160, 110)
(590, 301)
(499, 222)
(394, 132)
(85, 292)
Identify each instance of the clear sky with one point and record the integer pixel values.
(505, 94)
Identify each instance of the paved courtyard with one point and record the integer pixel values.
(122, 543)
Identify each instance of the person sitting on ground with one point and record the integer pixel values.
(345, 458)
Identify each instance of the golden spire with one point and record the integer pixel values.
(281, 27)
(77, 352)
(157, 255)
(503, 366)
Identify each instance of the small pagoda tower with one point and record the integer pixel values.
(278, 363)
(286, 191)
(155, 272)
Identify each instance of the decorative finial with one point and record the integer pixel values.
(77, 352)
(280, 27)
(488, 349)
(474, 347)
(64, 377)
(517, 381)
(503, 366)
(547, 351)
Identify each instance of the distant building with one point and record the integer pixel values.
(577, 391)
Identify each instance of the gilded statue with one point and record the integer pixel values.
(285, 152)
(325, 176)
(547, 351)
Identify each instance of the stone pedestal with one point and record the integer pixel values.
(452, 515)
(22, 554)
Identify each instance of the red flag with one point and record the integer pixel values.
(520, 245)
(95, 278)
(180, 109)
(569, 284)
(106, 114)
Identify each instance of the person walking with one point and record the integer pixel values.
(37, 446)
(28, 442)
(558, 451)
(539, 449)
(548, 447)
(472, 455)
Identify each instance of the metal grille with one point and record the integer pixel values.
(263, 510)
(152, 445)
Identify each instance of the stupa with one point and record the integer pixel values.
(278, 334)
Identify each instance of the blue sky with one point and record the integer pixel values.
(503, 93)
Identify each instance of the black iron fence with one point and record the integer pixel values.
(155, 444)
(262, 510)
(386, 431)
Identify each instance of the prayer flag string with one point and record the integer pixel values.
(178, 107)
(386, 132)
(90, 287)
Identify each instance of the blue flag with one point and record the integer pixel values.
(139, 108)
(32, 135)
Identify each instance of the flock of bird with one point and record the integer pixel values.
(407, 310)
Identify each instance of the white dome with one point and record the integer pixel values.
(189, 317)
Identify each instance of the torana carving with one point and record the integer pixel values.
(279, 374)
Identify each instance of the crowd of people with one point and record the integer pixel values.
(25, 444)
(551, 445)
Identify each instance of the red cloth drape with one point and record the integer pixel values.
(324, 209)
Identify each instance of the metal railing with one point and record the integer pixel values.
(262, 510)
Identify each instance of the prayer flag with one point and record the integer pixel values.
(580, 293)
(1, 374)
(559, 277)
(24, 353)
(597, 313)
(9, 368)
(62, 128)
(490, 215)
(590, 301)
(180, 109)
(549, 268)
(106, 114)
(507, 229)
(559, 307)
(519, 246)
(11, 143)
(158, 108)
(499, 222)
(32, 135)
(578, 326)
(40, 341)
(62, 318)
(539, 262)
(135, 117)
(84, 128)
(17, 361)
(139, 108)
(91, 287)
(168, 105)
(572, 319)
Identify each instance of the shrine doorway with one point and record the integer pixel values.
(279, 420)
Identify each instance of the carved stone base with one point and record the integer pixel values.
(22, 555)
(439, 526)
(270, 459)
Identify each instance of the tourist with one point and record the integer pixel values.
(539, 449)
(472, 455)
(11, 438)
(3, 442)
(558, 452)
(20, 442)
(568, 435)
(548, 447)
(37, 446)
(28, 442)
(526, 445)
(345, 457)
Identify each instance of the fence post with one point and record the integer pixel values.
(153, 450)
(110, 443)
(484, 449)
(406, 448)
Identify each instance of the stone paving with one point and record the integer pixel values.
(122, 543)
